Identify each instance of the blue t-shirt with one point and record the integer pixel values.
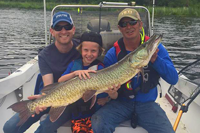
(52, 61)
(163, 65)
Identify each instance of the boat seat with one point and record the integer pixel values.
(38, 85)
(123, 127)
(93, 25)
(109, 38)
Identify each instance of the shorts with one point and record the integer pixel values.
(82, 125)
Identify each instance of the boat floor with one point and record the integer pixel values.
(163, 103)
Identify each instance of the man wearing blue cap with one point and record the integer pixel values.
(53, 61)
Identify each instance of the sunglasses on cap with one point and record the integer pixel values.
(60, 27)
(131, 22)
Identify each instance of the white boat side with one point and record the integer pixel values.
(17, 86)
(19, 77)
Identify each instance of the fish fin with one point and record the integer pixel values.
(88, 95)
(49, 88)
(94, 98)
(22, 109)
(56, 112)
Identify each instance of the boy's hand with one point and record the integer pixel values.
(83, 73)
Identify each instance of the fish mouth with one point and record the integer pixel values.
(153, 43)
(145, 51)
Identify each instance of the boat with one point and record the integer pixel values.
(21, 83)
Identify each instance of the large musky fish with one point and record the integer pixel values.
(59, 95)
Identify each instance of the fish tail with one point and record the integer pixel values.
(22, 109)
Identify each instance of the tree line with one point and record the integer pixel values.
(162, 3)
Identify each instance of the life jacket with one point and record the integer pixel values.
(80, 108)
(149, 80)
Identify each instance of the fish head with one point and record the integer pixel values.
(142, 55)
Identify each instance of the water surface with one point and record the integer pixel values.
(22, 34)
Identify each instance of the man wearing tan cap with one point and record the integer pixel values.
(136, 99)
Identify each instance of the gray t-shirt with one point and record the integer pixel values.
(52, 61)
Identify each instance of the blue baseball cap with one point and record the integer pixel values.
(62, 16)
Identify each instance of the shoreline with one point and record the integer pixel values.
(159, 11)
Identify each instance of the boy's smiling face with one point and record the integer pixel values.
(89, 51)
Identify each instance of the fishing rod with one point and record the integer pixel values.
(100, 6)
(153, 17)
(195, 62)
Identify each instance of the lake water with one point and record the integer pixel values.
(22, 34)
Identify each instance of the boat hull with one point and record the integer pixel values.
(16, 87)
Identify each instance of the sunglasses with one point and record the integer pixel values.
(131, 22)
(60, 27)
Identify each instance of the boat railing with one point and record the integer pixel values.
(187, 90)
(189, 77)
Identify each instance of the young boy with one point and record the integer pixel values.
(90, 48)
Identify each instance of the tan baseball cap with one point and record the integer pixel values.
(130, 13)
